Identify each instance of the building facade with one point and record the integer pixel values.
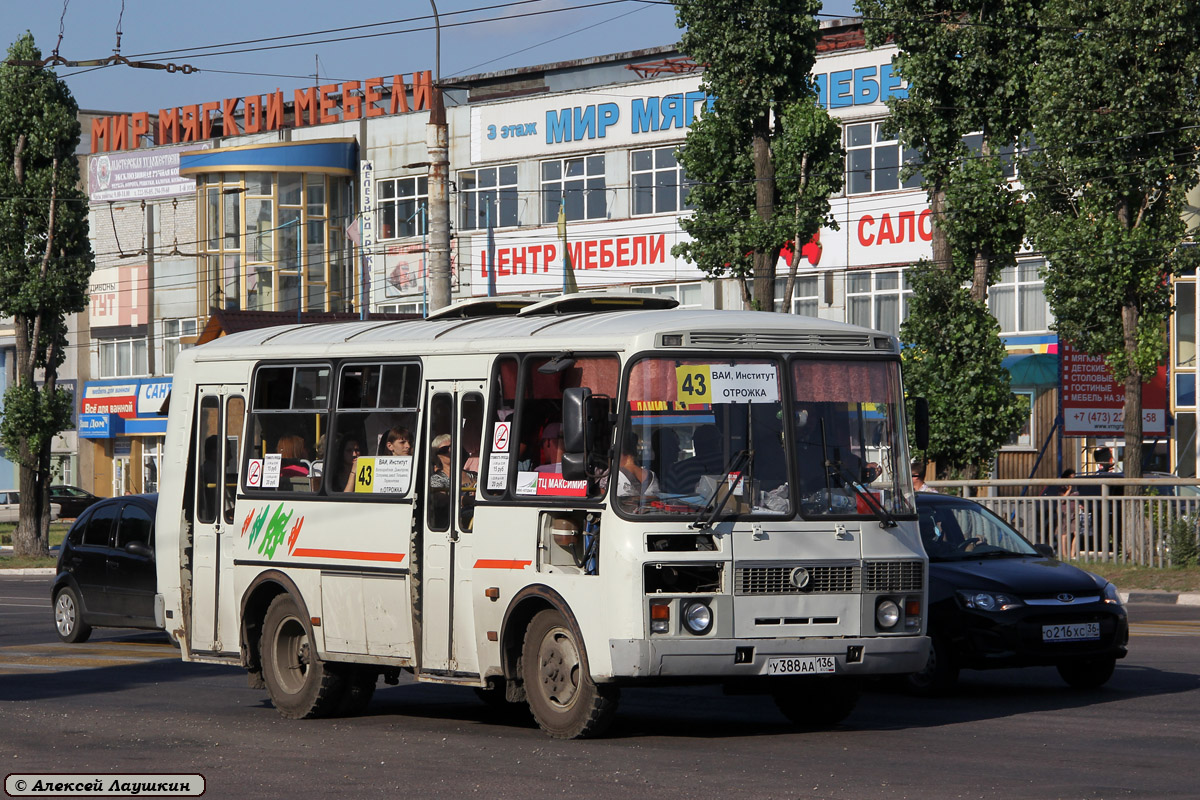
(317, 201)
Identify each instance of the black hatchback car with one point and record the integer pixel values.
(106, 574)
(74, 501)
(995, 600)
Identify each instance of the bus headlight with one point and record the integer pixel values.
(887, 614)
(697, 618)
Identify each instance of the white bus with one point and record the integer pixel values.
(546, 501)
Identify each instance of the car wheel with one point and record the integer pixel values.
(940, 672)
(815, 703)
(564, 700)
(67, 617)
(1090, 674)
(299, 684)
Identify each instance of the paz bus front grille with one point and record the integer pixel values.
(841, 578)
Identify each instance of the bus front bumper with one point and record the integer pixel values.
(720, 658)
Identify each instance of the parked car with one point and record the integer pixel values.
(10, 506)
(106, 575)
(72, 499)
(995, 600)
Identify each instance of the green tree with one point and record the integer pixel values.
(45, 262)
(953, 357)
(1117, 120)
(968, 76)
(765, 157)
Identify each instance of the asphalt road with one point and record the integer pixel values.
(123, 702)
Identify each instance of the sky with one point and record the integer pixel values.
(352, 40)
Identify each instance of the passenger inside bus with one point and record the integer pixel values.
(551, 448)
(294, 466)
(439, 476)
(397, 442)
(347, 453)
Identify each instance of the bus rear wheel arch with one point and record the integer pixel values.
(563, 698)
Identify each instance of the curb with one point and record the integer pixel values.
(29, 571)
(1170, 598)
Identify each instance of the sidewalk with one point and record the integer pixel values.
(1153, 596)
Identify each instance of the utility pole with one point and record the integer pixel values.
(150, 244)
(438, 143)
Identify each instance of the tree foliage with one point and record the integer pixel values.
(45, 262)
(1117, 121)
(953, 358)
(967, 72)
(765, 157)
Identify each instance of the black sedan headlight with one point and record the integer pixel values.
(1111, 595)
(988, 601)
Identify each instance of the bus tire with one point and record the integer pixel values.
(563, 698)
(815, 703)
(300, 685)
(939, 674)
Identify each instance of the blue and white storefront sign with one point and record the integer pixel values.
(123, 407)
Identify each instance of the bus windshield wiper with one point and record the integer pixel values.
(886, 520)
(735, 465)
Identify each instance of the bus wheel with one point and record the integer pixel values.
(815, 703)
(564, 700)
(299, 684)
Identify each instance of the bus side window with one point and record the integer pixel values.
(288, 418)
(209, 439)
(471, 434)
(441, 460)
(235, 416)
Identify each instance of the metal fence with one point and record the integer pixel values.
(1120, 520)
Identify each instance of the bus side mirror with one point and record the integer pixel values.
(921, 422)
(576, 433)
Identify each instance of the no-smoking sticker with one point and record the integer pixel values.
(500, 437)
(254, 473)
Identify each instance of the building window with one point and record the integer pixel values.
(123, 358)
(804, 295)
(403, 308)
(878, 299)
(873, 160)
(403, 207)
(1017, 300)
(1023, 437)
(174, 331)
(659, 183)
(487, 193)
(577, 184)
(274, 242)
(688, 294)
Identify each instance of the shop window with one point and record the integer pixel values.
(659, 183)
(288, 427)
(487, 193)
(403, 207)
(575, 184)
(374, 429)
(1023, 436)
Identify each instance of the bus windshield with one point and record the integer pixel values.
(847, 421)
(718, 437)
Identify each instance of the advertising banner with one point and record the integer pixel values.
(1093, 404)
(140, 174)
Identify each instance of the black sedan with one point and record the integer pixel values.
(995, 600)
(106, 574)
(74, 501)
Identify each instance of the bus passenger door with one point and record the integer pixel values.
(451, 447)
(220, 412)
